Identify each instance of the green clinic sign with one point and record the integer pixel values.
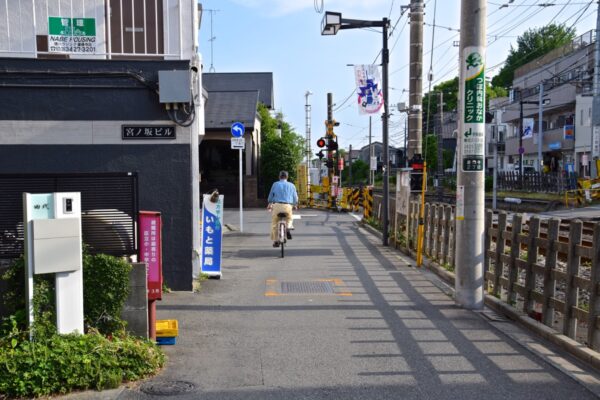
(72, 35)
(473, 137)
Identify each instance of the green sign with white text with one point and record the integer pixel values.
(473, 135)
(72, 35)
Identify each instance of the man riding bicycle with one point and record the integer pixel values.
(282, 198)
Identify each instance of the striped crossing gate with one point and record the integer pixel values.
(367, 202)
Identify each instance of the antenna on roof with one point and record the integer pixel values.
(212, 39)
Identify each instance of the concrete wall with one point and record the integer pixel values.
(135, 309)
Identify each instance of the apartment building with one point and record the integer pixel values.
(566, 76)
(91, 86)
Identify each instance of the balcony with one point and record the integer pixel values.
(99, 29)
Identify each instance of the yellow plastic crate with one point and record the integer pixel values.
(167, 328)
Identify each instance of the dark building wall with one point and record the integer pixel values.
(33, 89)
(163, 179)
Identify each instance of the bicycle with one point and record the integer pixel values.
(282, 231)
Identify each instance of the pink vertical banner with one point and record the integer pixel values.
(150, 248)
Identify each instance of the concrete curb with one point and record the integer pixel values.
(567, 344)
(578, 350)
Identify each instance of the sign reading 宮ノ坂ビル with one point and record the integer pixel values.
(71, 35)
(147, 132)
(212, 232)
(473, 135)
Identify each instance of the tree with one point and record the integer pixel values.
(450, 90)
(431, 154)
(278, 153)
(534, 43)
(360, 173)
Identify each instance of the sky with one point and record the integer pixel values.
(284, 37)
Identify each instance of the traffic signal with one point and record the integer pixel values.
(416, 175)
(332, 145)
(320, 154)
(321, 142)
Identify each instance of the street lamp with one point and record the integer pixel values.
(331, 24)
(540, 104)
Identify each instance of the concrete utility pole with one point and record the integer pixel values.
(350, 166)
(595, 145)
(385, 60)
(540, 128)
(329, 135)
(415, 100)
(470, 200)
(440, 150)
(371, 172)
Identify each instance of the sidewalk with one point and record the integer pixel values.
(341, 317)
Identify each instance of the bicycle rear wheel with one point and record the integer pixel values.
(282, 237)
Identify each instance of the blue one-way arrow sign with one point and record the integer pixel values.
(237, 129)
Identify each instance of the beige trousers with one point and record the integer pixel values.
(280, 208)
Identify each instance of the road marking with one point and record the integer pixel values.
(356, 217)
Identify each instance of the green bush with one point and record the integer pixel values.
(62, 363)
(57, 364)
(105, 289)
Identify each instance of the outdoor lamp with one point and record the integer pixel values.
(331, 23)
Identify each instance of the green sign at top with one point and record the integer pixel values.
(71, 26)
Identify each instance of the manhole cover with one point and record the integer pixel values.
(167, 388)
(307, 287)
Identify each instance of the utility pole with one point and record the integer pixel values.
(385, 60)
(470, 195)
(416, 79)
(540, 128)
(308, 109)
(371, 172)
(495, 143)
(521, 149)
(330, 156)
(350, 166)
(440, 150)
(595, 145)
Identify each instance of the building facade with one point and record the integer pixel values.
(110, 86)
(566, 76)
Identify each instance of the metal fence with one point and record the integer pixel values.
(554, 182)
(549, 269)
(109, 208)
(121, 28)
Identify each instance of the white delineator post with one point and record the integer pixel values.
(470, 176)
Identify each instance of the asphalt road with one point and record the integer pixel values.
(340, 317)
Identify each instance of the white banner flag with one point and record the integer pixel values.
(368, 88)
(528, 128)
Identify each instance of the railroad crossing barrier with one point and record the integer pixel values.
(367, 202)
(587, 190)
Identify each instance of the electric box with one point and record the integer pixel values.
(175, 86)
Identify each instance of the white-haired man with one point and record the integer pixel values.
(282, 199)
